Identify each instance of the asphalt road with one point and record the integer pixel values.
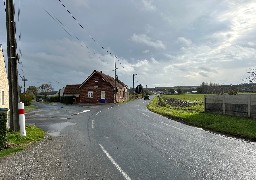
(127, 141)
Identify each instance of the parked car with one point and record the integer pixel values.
(39, 99)
(146, 97)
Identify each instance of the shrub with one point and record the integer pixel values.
(26, 98)
(3, 119)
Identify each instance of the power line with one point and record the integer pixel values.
(65, 28)
(91, 37)
(4, 3)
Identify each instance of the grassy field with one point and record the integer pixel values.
(15, 142)
(189, 109)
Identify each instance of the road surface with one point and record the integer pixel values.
(127, 141)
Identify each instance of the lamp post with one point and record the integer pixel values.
(133, 82)
(24, 80)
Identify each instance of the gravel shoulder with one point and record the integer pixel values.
(41, 160)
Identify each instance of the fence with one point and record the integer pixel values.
(243, 105)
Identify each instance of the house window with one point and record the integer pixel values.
(90, 94)
(2, 97)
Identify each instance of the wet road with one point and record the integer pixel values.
(127, 141)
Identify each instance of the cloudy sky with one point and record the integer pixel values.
(166, 43)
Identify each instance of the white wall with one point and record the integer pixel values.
(4, 86)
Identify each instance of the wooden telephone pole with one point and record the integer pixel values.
(12, 66)
(115, 84)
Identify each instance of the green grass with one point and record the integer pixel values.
(17, 143)
(194, 115)
(29, 108)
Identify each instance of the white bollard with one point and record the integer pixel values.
(22, 119)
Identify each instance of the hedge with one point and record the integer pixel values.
(3, 130)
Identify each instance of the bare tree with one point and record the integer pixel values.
(45, 88)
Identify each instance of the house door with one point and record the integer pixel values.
(103, 95)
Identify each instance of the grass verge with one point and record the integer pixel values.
(16, 143)
(29, 108)
(232, 126)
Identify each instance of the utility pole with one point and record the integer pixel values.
(12, 66)
(115, 84)
(24, 80)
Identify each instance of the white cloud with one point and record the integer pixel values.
(148, 5)
(180, 42)
(146, 51)
(252, 44)
(144, 39)
(241, 17)
(184, 41)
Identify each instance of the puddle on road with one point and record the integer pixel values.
(58, 127)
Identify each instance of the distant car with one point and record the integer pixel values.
(39, 100)
(146, 97)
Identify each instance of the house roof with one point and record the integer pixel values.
(107, 78)
(72, 89)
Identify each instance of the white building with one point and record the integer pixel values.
(4, 86)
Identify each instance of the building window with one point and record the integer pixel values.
(2, 97)
(90, 94)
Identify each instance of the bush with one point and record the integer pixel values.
(3, 119)
(26, 98)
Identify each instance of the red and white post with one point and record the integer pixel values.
(22, 119)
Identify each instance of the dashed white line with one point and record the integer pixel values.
(63, 118)
(115, 164)
(92, 124)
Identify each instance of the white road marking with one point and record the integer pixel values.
(84, 111)
(63, 118)
(92, 124)
(115, 164)
(98, 113)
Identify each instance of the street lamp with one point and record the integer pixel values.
(133, 82)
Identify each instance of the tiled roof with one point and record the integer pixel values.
(108, 79)
(111, 80)
(72, 89)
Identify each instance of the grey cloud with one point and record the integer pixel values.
(130, 31)
(146, 40)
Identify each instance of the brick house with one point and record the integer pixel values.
(4, 86)
(98, 88)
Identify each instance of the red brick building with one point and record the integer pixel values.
(98, 88)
